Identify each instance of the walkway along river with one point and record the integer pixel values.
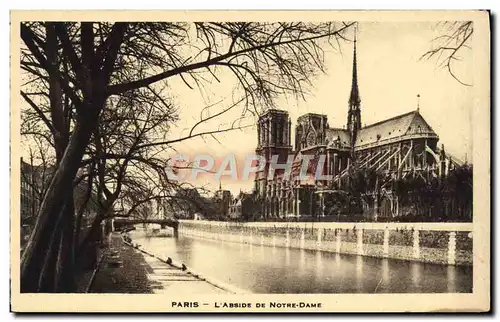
(267, 269)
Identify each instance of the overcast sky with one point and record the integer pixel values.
(390, 75)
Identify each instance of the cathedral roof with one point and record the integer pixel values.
(394, 128)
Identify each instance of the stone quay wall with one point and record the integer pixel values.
(438, 243)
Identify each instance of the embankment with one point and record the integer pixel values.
(439, 243)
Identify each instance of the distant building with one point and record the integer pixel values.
(242, 207)
(223, 199)
(35, 179)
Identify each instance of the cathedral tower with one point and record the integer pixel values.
(354, 113)
(274, 138)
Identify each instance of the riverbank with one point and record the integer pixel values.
(437, 243)
(122, 270)
(128, 268)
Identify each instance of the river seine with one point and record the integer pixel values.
(262, 269)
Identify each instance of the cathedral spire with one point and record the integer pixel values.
(354, 99)
(354, 112)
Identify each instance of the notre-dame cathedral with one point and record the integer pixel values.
(397, 146)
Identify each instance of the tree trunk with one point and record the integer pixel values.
(90, 237)
(38, 263)
(60, 188)
(81, 210)
(78, 227)
(47, 275)
(64, 282)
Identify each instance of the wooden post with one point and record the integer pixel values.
(287, 239)
(302, 239)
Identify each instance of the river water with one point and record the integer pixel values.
(263, 269)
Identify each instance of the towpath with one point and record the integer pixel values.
(125, 269)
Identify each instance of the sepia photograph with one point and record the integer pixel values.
(300, 159)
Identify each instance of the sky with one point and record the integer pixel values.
(390, 75)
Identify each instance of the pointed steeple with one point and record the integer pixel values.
(354, 99)
(354, 112)
(220, 185)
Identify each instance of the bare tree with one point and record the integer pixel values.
(448, 47)
(36, 172)
(82, 67)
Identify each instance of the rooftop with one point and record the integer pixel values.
(400, 125)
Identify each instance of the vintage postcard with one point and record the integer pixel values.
(250, 161)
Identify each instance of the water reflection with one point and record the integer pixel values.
(250, 253)
(385, 270)
(359, 273)
(452, 278)
(302, 261)
(263, 269)
(319, 264)
(416, 275)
